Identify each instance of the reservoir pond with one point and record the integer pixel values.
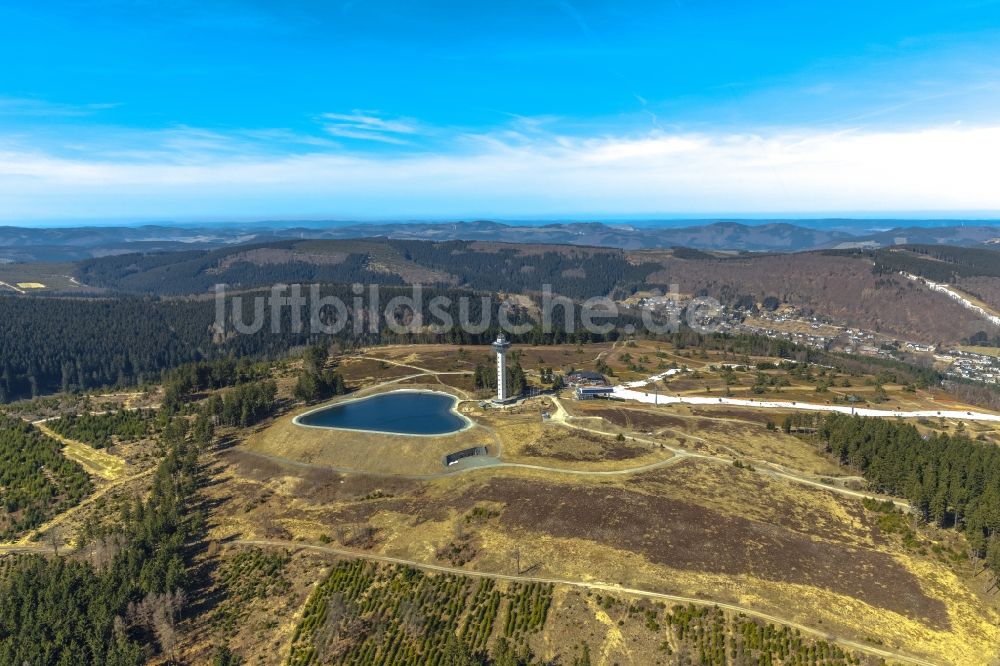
(398, 413)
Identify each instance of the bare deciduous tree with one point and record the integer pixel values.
(159, 613)
(107, 548)
(326, 638)
(412, 618)
(55, 538)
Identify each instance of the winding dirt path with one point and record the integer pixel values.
(562, 417)
(763, 467)
(10, 286)
(94, 461)
(24, 544)
(589, 585)
(111, 482)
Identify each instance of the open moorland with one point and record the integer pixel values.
(626, 532)
(711, 504)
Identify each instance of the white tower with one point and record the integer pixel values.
(500, 346)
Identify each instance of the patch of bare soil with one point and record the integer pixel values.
(754, 416)
(559, 443)
(357, 371)
(605, 451)
(317, 484)
(636, 419)
(685, 535)
(271, 255)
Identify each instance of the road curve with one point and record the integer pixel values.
(10, 286)
(765, 467)
(562, 417)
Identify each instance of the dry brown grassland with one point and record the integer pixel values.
(701, 528)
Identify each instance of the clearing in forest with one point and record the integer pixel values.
(98, 463)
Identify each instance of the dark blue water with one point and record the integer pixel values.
(404, 413)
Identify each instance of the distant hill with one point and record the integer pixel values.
(844, 286)
(857, 287)
(19, 244)
(712, 236)
(62, 341)
(975, 271)
(570, 270)
(940, 263)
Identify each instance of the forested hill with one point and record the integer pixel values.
(63, 244)
(52, 344)
(950, 479)
(572, 271)
(578, 272)
(198, 271)
(939, 263)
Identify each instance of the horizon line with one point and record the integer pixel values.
(990, 218)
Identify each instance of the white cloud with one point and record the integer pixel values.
(369, 126)
(949, 168)
(29, 106)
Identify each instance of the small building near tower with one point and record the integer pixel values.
(591, 392)
(453, 458)
(586, 378)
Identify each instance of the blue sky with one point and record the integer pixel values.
(369, 109)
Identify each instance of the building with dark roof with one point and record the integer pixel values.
(591, 392)
(453, 458)
(586, 378)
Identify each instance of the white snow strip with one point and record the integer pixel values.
(627, 392)
(654, 378)
(951, 293)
